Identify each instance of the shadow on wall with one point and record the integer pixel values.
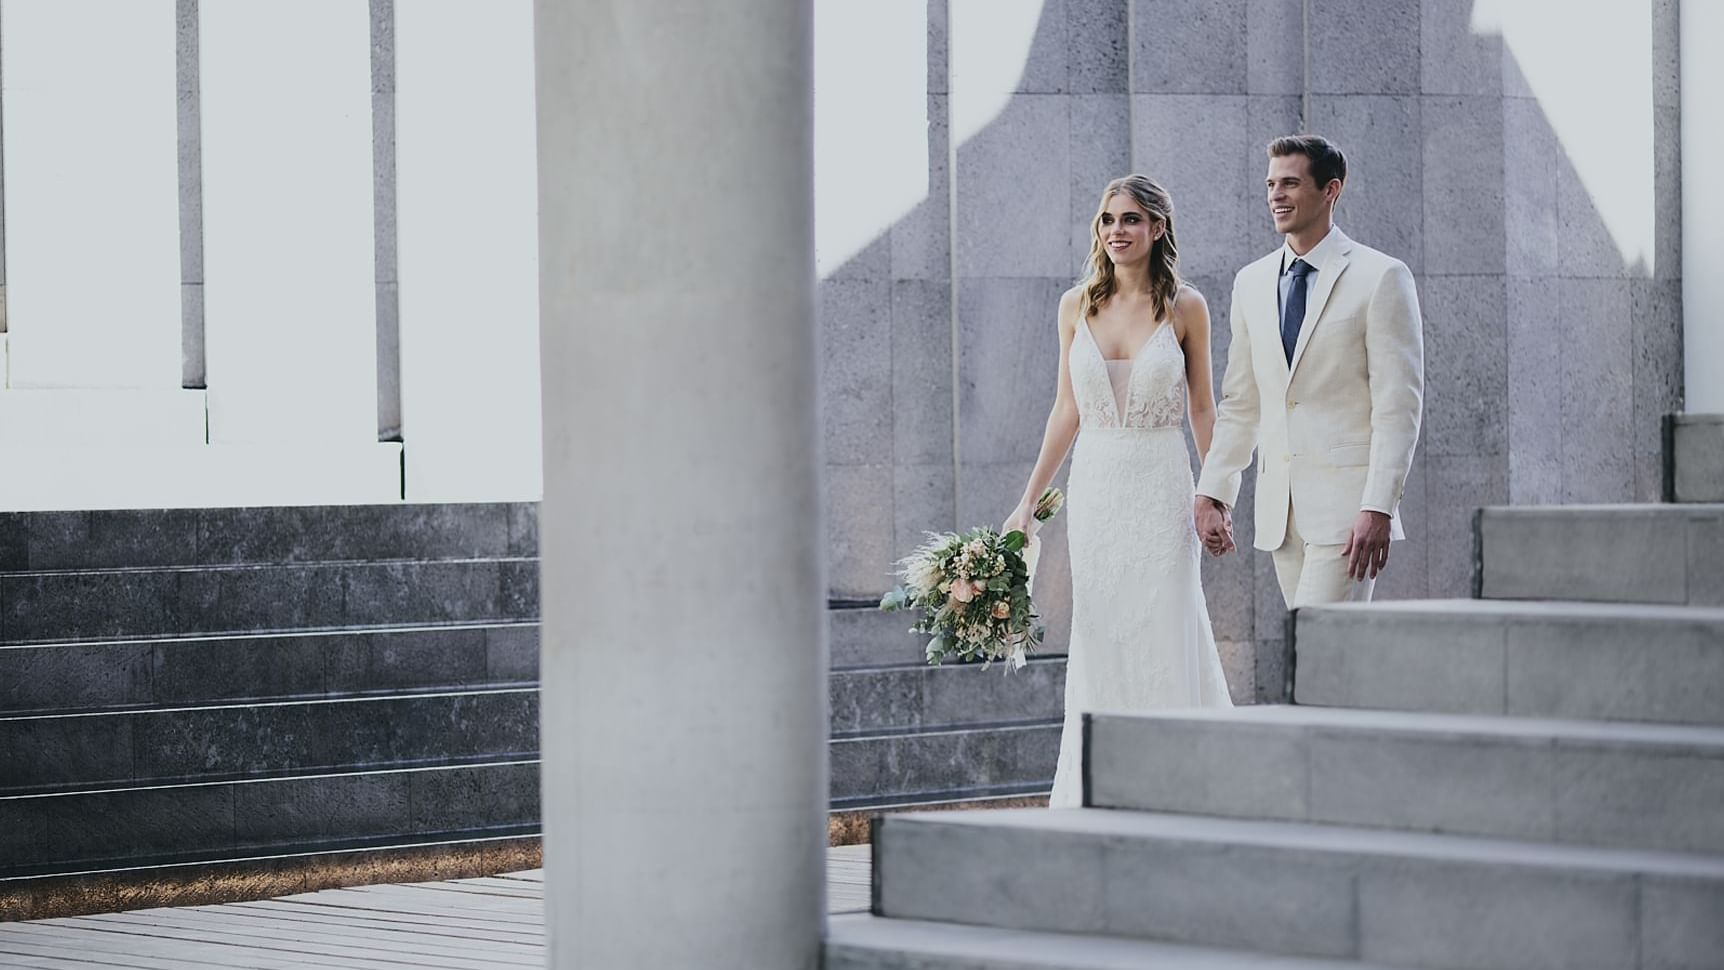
(1541, 220)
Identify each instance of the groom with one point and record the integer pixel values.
(1324, 380)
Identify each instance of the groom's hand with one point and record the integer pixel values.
(1367, 548)
(1214, 525)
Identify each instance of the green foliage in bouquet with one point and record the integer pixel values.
(973, 591)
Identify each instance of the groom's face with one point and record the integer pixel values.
(1296, 203)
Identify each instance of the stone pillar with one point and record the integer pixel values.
(1702, 203)
(684, 659)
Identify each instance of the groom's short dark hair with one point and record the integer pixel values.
(1327, 162)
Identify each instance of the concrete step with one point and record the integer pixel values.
(1395, 898)
(264, 535)
(895, 768)
(861, 635)
(872, 699)
(146, 746)
(1619, 553)
(116, 674)
(862, 942)
(178, 601)
(48, 753)
(1576, 782)
(45, 834)
(1696, 457)
(1529, 659)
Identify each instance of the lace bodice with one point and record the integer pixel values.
(1155, 388)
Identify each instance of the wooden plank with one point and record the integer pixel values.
(467, 889)
(391, 937)
(16, 962)
(849, 879)
(305, 950)
(405, 922)
(409, 899)
(150, 951)
(95, 949)
(379, 944)
(507, 886)
(419, 899)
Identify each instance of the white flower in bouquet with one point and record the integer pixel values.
(923, 574)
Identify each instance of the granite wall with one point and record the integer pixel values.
(1549, 360)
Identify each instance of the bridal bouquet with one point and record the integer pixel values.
(974, 593)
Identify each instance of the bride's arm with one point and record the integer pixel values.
(1191, 315)
(1062, 426)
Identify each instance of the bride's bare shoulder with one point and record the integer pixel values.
(1070, 298)
(1185, 294)
(1188, 300)
(1190, 311)
(1069, 302)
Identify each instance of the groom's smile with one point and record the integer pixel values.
(1296, 202)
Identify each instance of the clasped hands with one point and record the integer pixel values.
(1214, 525)
(1366, 549)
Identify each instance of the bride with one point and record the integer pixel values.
(1134, 348)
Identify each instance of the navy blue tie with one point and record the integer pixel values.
(1293, 312)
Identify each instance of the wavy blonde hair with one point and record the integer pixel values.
(1101, 284)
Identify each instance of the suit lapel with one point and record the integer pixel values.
(1326, 280)
(1268, 306)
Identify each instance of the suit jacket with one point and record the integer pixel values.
(1335, 430)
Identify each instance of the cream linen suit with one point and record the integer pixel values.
(1335, 430)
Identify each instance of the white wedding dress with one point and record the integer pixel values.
(1140, 637)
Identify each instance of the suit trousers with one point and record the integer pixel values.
(1311, 573)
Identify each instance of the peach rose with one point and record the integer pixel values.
(963, 590)
(1002, 609)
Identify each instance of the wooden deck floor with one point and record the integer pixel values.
(468, 924)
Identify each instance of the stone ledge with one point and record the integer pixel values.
(1539, 659)
(1313, 890)
(1563, 781)
(1695, 462)
(857, 827)
(1617, 553)
(859, 941)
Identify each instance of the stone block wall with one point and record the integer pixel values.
(1549, 361)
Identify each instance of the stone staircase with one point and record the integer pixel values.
(193, 695)
(239, 697)
(1529, 780)
(905, 733)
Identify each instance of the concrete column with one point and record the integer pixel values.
(1702, 204)
(91, 226)
(683, 673)
(290, 305)
(463, 180)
